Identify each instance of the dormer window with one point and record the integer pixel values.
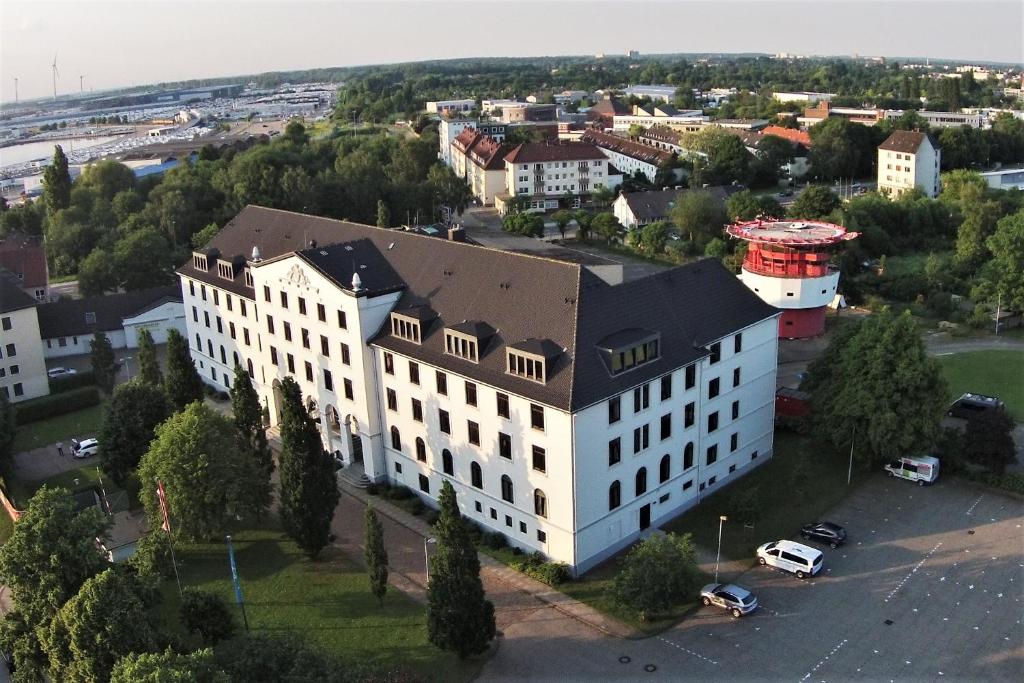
(467, 339)
(226, 270)
(531, 359)
(248, 278)
(405, 328)
(199, 262)
(631, 348)
(461, 346)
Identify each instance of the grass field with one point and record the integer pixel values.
(781, 511)
(993, 373)
(326, 603)
(79, 424)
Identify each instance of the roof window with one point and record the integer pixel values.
(631, 348)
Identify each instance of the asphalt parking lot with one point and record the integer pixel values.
(928, 587)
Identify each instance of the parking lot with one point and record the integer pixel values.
(928, 587)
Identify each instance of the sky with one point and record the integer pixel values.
(138, 42)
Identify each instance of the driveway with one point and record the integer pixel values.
(128, 358)
(928, 587)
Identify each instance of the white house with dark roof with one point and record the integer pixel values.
(22, 369)
(909, 159)
(568, 414)
(542, 173)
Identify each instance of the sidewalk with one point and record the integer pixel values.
(514, 594)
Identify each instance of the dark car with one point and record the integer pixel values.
(824, 532)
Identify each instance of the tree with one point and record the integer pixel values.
(583, 219)
(203, 237)
(602, 196)
(96, 273)
(309, 489)
(1006, 269)
(459, 616)
(8, 429)
(252, 435)
(168, 667)
(206, 478)
(50, 554)
(181, 381)
(57, 183)
(817, 202)
(884, 392)
(295, 132)
(562, 217)
(149, 364)
(716, 248)
(989, 440)
(745, 206)
(449, 189)
(527, 224)
(104, 365)
(206, 615)
(107, 178)
(654, 237)
(698, 215)
(841, 149)
(657, 574)
(376, 555)
(607, 226)
(134, 412)
(383, 215)
(107, 619)
(142, 260)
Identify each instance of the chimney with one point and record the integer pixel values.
(457, 234)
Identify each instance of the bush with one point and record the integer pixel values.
(517, 551)
(57, 404)
(371, 489)
(431, 517)
(657, 575)
(417, 507)
(495, 540)
(85, 378)
(1008, 481)
(400, 493)
(537, 567)
(206, 615)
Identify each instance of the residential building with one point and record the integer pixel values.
(629, 156)
(565, 416)
(636, 209)
(24, 257)
(449, 128)
(451, 106)
(67, 327)
(741, 124)
(529, 112)
(803, 96)
(22, 369)
(485, 169)
(604, 111)
(941, 119)
(795, 135)
(460, 147)
(545, 173)
(489, 107)
(909, 159)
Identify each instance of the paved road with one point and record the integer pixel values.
(929, 587)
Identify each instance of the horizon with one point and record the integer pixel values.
(32, 32)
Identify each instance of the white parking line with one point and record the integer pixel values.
(827, 657)
(912, 572)
(970, 510)
(687, 651)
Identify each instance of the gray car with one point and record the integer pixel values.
(738, 601)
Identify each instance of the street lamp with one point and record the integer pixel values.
(127, 366)
(426, 556)
(721, 521)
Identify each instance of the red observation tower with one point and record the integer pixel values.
(787, 265)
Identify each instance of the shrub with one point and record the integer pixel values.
(417, 507)
(657, 574)
(495, 540)
(431, 517)
(1008, 481)
(517, 551)
(85, 378)
(551, 573)
(206, 615)
(57, 404)
(371, 489)
(400, 493)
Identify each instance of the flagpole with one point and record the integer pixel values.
(166, 526)
(235, 581)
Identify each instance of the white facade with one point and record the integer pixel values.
(22, 370)
(159, 320)
(793, 293)
(625, 121)
(808, 97)
(1005, 178)
(665, 93)
(629, 165)
(449, 129)
(941, 119)
(450, 105)
(900, 171)
(555, 178)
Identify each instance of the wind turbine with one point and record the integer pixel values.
(81, 89)
(56, 75)
(15, 89)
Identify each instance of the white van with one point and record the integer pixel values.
(792, 557)
(924, 469)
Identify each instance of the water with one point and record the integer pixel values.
(30, 151)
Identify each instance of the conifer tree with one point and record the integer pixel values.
(459, 616)
(252, 436)
(309, 487)
(104, 365)
(134, 412)
(57, 183)
(376, 555)
(181, 382)
(149, 366)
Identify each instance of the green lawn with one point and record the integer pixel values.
(993, 373)
(79, 424)
(327, 604)
(782, 511)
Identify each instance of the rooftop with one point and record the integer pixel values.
(906, 141)
(70, 317)
(627, 147)
(12, 296)
(530, 152)
(25, 257)
(793, 233)
(655, 205)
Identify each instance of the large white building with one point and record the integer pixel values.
(909, 159)
(543, 173)
(22, 369)
(568, 413)
(449, 128)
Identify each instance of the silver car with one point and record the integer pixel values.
(738, 601)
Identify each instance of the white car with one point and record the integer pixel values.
(61, 372)
(791, 556)
(85, 448)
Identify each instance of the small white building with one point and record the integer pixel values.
(803, 97)
(941, 119)
(454, 106)
(1009, 178)
(22, 369)
(664, 93)
(909, 159)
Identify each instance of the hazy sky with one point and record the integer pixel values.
(145, 41)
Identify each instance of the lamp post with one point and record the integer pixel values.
(127, 366)
(718, 557)
(426, 555)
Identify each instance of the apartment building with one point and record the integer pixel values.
(629, 156)
(909, 159)
(941, 119)
(450, 128)
(545, 173)
(568, 413)
(22, 369)
(24, 257)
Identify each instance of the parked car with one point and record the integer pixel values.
(924, 469)
(738, 601)
(86, 448)
(791, 556)
(824, 532)
(970, 405)
(60, 372)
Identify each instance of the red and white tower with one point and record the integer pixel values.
(787, 265)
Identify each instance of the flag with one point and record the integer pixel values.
(166, 526)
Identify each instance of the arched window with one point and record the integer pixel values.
(396, 439)
(248, 365)
(476, 475)
(234, 355)
(333, 422)
(447, 465)
(421, 449)
(614, 495)
(688, 456)
(665, 469)
(641, 481)
(540, 503)
(223, 355)
(199, 343)
(209, 347)
(507, 493)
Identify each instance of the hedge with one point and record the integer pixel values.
(57, 404)
(60, 385)
(1008, 481)
(536, 567)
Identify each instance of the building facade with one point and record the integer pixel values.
(22, 369)
(629, 156)
(544, 173)
(565, 415)
(909, 159)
